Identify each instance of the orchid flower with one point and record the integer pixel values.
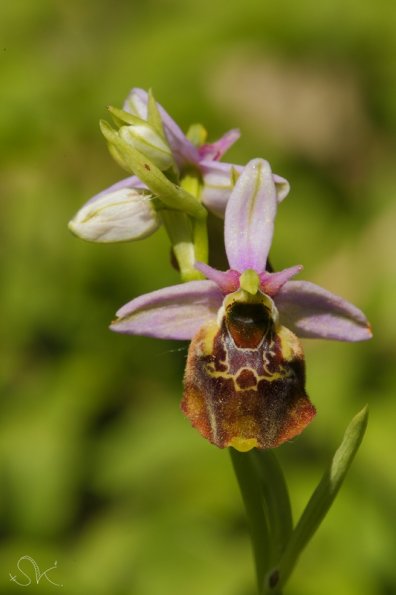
(117, 214)
(244, 380)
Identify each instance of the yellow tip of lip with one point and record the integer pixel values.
(243, 444)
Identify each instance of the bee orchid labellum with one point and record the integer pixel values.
(245, 377)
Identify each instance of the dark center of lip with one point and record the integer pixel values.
(247, 323)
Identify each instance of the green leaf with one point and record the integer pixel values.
(321, 500)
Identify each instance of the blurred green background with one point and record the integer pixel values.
(98, 468)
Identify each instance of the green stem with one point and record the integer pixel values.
(200, 233)
(191, 183)
(180, 231)
(276, 500)
(246, 475)
(268, 510)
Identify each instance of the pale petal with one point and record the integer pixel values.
(182, 149)
(249, 218)
(214, 151)
(136, 103)
(219, 180)
(118, 216)
(175, 312)
(313, 312)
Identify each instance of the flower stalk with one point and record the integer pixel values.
(267, 504)
(257, 518)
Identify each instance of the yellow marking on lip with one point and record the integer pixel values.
(207, 339)
(227, 376)
(290, 344)
(206, 348)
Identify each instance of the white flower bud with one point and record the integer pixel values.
(147, 141)
(122, 215)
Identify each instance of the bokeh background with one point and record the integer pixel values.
(99, 470)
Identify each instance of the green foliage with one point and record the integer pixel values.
(99, 470)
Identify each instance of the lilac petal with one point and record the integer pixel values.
(219, 180)
(271, 283)
(175, 312)
(228, 281)
(249, 218)
(313, 312)
(182, 149)
(215, 151)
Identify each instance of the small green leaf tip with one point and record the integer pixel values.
(321, 499)
(346, 452)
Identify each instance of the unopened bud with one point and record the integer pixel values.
(147, 141)
(126, 214)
